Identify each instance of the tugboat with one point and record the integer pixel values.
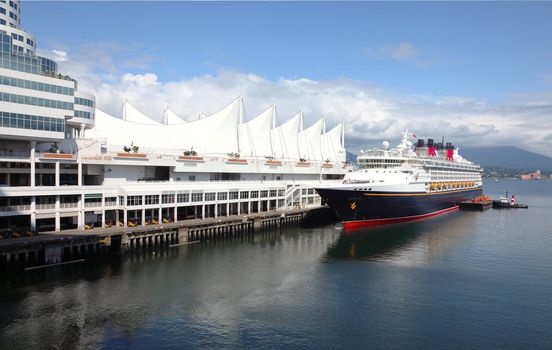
(506, 202)
(404, 183)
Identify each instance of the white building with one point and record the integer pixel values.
(65, 164)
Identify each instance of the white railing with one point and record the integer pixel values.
(20, 207)
(69, 205)
(46, 206)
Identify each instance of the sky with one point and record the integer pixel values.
(477, 73)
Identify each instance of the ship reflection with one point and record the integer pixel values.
(408, 243)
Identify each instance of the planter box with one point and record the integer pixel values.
(131, 155)
(56, 156)
(236, 161)
(304, 164)
(191, 158)
(327, 165)
(273, 162)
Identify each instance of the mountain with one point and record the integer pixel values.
(351, 157)
(507, 157)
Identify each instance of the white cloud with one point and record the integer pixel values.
(403, 52)
(371, 115)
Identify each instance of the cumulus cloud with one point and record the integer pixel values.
(370, 113)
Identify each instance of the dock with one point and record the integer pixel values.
(56, 248)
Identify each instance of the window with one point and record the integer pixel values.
(222, 196)
(272, 193)
(32, 122)
(183, 197)
(264, 194)
(210, 196)
(33, 85)
(244, 194)
(254, 194)
(167, 198)
(134, 200)
(35, 101)
(152, 199)
(191, 178)
(233, 195)
(197, 197)
(281, 192)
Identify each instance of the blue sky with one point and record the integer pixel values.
(491, 54)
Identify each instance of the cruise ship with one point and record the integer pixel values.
(66, 165)
(404, 183)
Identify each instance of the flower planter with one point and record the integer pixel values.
(236, 161)
(273, 162)
(303, 164)
(191, 158)
(327, 165)
(56, 156)
(131, 155)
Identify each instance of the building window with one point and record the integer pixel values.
(244, 194)
(152, 199)
(222, 196)
(233, 195)
(281, 192)
(183, 197)
(191, 178)
(33, 85)
(167, 198)
(264, 194)
(210, 196)
(272, 193)
(33, 122)
(197, 197)
(134, 200)
(83, 114)
(35, 101)
(254, 194)
(84, 102)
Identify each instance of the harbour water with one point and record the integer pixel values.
(477, 280)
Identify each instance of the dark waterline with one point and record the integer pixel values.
(475, 280)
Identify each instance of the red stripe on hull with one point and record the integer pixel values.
(376, 222)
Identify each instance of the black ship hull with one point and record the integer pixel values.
(359, 208)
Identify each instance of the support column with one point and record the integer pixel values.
(216, 210)
(125, 218)
(79, 171)
(103, 210)
(81, 212)
(58, 219)
(33, 213)
(175, 213)
(160, 210)
(57, 175)
(248, 207)
(33, 166)
(143, 216)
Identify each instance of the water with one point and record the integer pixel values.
(475, 280)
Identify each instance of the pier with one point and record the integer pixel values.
(55, 248)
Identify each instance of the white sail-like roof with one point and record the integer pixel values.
(131, 114)
(214, 134)
(332, 146)
(310, 141)
(255, 135)
(285, 138)
(169, 117)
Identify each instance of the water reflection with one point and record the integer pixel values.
(409, 243)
